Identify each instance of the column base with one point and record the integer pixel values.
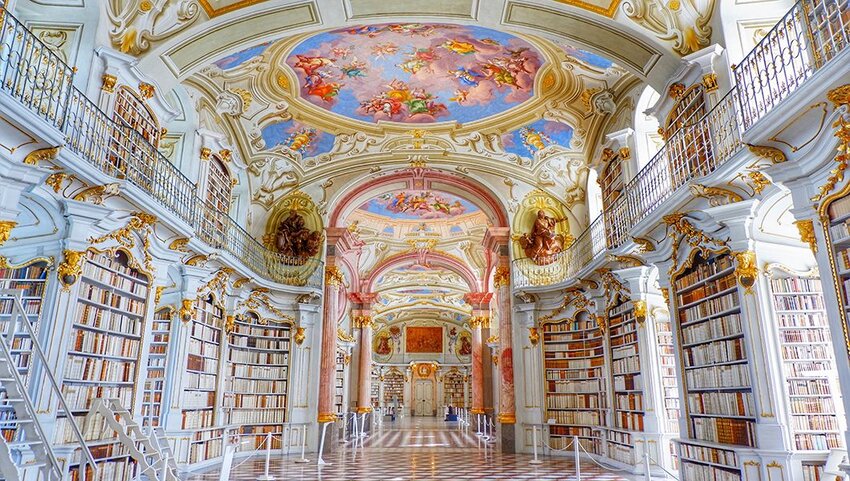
(332, 437)
(507, 438)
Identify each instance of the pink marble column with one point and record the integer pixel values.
(477, 367)
(364, 396)
(333, 285)
(507, 402)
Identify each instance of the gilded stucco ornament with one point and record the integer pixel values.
(108, 82)
(746, 270)
(716, 196)
(187, 310)
(179, 244)
(602, 324)
(343, 336)
(533, 336)
(299, 336)
(645, 244)
(259, 298)
(807, 233)
(361, 321)
(158, 295)
(502, 277)
(6, 227)
(98, 194)
(55, 180)
(140, 224)
(679, 225)
(137, 23)
(69, 270)
(685, 23)
(229, 324)
(840, 97)
(42, 155)
(767, 152)
(640, 311)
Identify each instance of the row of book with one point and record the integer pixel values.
(257, 357)
(253, 330)
(197, 419)
(623, 454)
(798, 302)
(117, 264)
(812, 405)
(30, 272)
(260, 343)
(569, 374)
(202, 348)
(257, 416)
(802, 319)
(556, 430)
(596, 361)
(626, 365)
(576, 386)
(619, 339)
(106, 298)
(573, 326)
(579, 352)
(818, 442)
(133, 286)
(34, 289)
(258, 400)
(257, 371)
(103, 344)
(701, 472)
(79, 396)
(722, 403)
(113, 321)
(580, 337)
(575, 401)
(630, 421)
(733, 376)
(628, 382)
(624, 351)
(724, 430)
(815, 422)
(259, 386)
(205, 332)
(32, 307)
(710, 307)
(99, 370)
(804, 335)
(808, 351)
(198, 399)
(808, 386)
(703, 271)
(200, 364)
(709, 455)
(707, 290)
(716, 352)
(583, 418)
(798, 368)
(198, 381)
(629, 402)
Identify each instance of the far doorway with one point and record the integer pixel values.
(423, 397)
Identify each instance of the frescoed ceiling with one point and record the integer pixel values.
(415, 73)
(421, 288)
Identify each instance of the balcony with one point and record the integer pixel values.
(39, 81)
(810, 36)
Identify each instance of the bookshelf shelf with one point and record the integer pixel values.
(103, 353)
(627, 382)
(257, 378)
(807, 361)
(200, 379)
(454, 388)
(157, 359)
(393, 388)
(339, 382)
(720, 407)
(375, 388)
(574, 360)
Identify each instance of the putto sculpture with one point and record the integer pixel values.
(293, 238)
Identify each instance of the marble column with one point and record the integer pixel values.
(364, 395)
(507, 402)
(327, 370)
(477, 366)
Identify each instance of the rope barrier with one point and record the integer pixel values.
(610, 468)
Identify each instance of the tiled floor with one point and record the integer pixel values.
(417, 449)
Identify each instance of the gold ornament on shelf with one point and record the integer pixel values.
(807, 234)
(747, 270)
(206, 153)
(226, 155)
(709, 82)
(187, 310)
(299, 336)
(533, 336)
(69, 270)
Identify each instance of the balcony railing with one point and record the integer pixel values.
(37, 78)
(810, 35)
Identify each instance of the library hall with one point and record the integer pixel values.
(371, 240)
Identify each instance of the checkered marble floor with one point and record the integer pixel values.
(416, 449)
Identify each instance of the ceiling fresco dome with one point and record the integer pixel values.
(415, 73)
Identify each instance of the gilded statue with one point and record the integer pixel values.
(543, 242)
(292, 238)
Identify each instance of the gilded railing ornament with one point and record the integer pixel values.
(69, 270)
(747, 270)
(807, 233)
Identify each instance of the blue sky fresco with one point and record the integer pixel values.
(419, 205)
(589, 58)
(527, 140)
(238, 58)
(309, 141)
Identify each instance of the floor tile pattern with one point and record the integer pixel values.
(416, 450)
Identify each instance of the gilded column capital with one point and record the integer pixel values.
(334, 276)
(70, 268)
(502, 277)
(479, 321)
(326, 417)
(362, 321)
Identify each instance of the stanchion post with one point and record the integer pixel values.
(577, 461)
(647, 466)
(303, 445)
(266, 476)
(534, 445)
(322, 444)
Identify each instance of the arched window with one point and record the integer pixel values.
(647, 139)
(688, 142)
(218, 198)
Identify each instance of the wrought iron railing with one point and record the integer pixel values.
(37, 78)
(810, 35)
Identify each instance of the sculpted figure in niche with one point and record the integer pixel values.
(292, 238)
(542, 243)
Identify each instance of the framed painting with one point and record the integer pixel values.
(424, 339)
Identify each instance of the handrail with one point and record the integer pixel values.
(18, 307)
(811, 33)
(37, 78)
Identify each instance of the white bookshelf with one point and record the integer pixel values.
(103, 352)
(339, 382)
(575, 386)
(454, 389)
(257, 378)
(627, 383)
(152, 410)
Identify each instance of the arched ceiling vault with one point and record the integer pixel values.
(224, 27)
